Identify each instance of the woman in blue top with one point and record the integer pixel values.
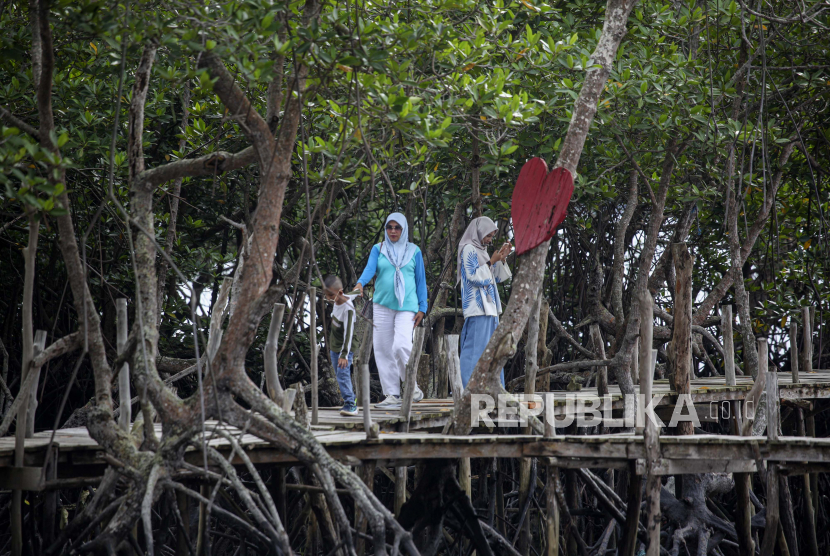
(400, 303)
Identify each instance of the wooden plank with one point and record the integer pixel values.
(695, 466)
(21, 478)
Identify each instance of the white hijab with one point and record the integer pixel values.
(478, 229)
(398, 253)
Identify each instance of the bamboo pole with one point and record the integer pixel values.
(312, 328)
(125, 409)
(272, 378)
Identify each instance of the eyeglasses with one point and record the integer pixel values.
(393, 228)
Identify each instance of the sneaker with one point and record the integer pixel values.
(349, 409)
(418, 396)
(391, 402)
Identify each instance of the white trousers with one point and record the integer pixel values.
(392, 340)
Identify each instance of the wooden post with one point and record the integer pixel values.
(599, 349)
(810, 424)
(454, 372)
(771, 529)
(411, 375)
(682, 335)
(454, 367)
(183, 531)
(648, 359)
(411, 372)
(364, 380)
(125, 409)
(368, 477)
(645, 364)
(773, 423)
(312, 328)
(773, 400)
(728, 345)
(551, 505)
(794, 350)
(50, 498)
(400, 488)
(628, 544)
(441, 368)
(743, 481)
(634, 369)
(809, 510)
(272, 377)
(39, 345)
(531, 368)
(807, 345)
(543, 382)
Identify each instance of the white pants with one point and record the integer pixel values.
(392, 340)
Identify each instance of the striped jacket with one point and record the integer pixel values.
(479, 295)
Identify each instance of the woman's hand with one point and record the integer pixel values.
(359, 287)
(419, 316)
(502, 253)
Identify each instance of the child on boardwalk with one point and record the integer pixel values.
(341, 340)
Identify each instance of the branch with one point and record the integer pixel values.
(560, 330)
(638, 169)
(211, 164)
(68, 343)
(17, 122)
(801, 18)
(728, 278)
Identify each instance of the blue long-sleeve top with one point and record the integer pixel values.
(415, 281)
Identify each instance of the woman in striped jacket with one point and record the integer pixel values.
(478, 274)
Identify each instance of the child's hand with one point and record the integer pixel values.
(342, 363)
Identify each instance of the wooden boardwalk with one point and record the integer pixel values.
(79, 456)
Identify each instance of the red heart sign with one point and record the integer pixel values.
(540, 203)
